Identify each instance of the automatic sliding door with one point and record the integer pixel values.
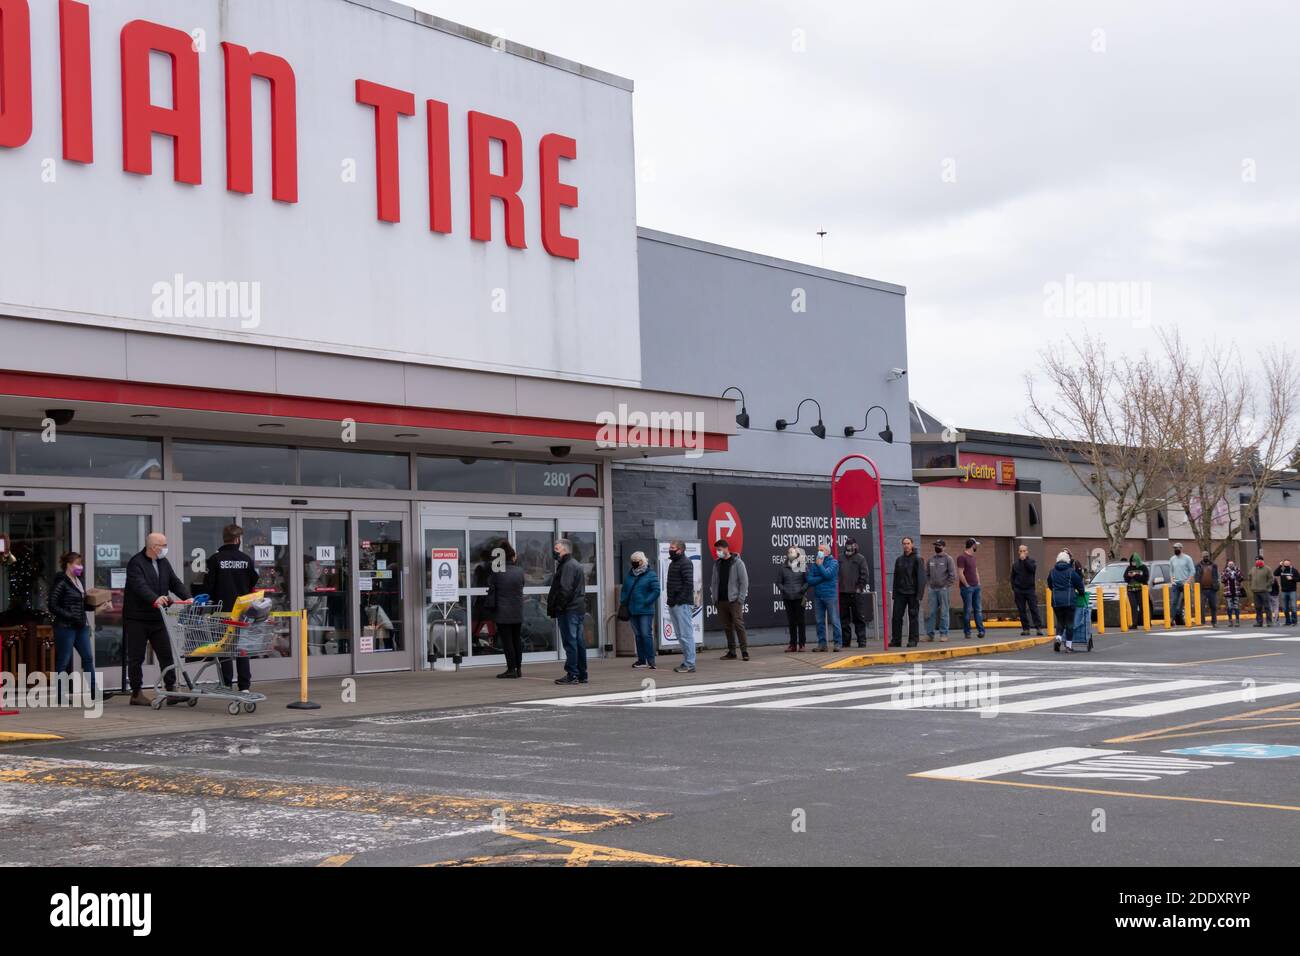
(327, 588)
(115, 534)
(381, 584)
(267, 541)
(534, 543)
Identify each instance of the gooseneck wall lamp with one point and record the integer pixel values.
(819, 429)
(887, 436)
(743, 418)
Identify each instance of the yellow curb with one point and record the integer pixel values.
(936, 653)
(17, 738)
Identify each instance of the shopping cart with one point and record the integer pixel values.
(204, 633)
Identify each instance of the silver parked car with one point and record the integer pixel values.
(1111, 580)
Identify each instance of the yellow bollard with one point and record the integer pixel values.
(302, 703)
(1101, 612)
(1146, 607)
(1169, 614)
(1187, 604)
(1196, 592)
(1051, 617)
(1125, 609)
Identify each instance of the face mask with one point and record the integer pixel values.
(557, 554)
(78, 571)
(938, 550)
(162, 553)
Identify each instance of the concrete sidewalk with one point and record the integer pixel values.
(368, 695)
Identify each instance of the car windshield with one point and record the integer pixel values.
(1110, 574)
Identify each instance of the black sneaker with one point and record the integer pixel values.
(745, 656)
(641, 665)
(566, 679)
(729, 656)
(683, 669)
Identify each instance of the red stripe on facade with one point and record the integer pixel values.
(190, 398)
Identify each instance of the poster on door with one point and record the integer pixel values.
(668, 637)
(444, 584)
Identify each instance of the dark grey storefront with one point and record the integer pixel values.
(781, 333)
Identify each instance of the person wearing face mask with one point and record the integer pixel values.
(855, 582)
(679, 592)
(1024, 586)
(640, 595)
(150, 584)
(567, 603)
(940, 576)
(67, 604)
(1136, 575)
(793, 585)
(968, 576)
(1286, 578)
(1181, 569)
(1233, 585)
(730, 590)
(1066, 585)
(909, 581)
(824, 579)
(1260, 580)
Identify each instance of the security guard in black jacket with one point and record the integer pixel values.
(230, 576)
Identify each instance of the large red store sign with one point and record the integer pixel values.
(181, 122)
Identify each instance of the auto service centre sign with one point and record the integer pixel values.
(382, 187)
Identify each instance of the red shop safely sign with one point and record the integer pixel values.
(141, 121)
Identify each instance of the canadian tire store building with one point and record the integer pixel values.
(367, 289)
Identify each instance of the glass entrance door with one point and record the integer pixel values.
(326, 548)
(114, 534)
(382, 576)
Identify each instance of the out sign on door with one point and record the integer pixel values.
(108, 553)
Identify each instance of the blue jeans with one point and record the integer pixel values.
(1177, 594)
(1288, 605)
(684, 628)
(936, 617)
(970, 599)
(643, 625)
(826, 609)
(575, 648)
(65, 639)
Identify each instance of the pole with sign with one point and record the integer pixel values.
(856, 493)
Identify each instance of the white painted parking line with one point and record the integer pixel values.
(1284, 640)
(700, 699)
(1241, 695)
(1110, 693)
(682, 689)
(920, 701)
(1018, 762)
(835, 698)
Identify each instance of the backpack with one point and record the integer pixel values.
(1207, 577)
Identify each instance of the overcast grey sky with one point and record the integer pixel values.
(976, 153)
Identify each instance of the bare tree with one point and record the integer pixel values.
(1228, 431)
(1095, 422)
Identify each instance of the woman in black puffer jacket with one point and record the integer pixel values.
(67, 604)
(793, 585)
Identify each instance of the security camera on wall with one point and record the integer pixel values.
(61, 416)
(896, 373)
(561, 451)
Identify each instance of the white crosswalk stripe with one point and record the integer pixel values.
(1204, 700)
(986, 694)
(949, 690)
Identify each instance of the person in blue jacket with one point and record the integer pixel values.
(1065, 583)
(641, 597)
(824, 579)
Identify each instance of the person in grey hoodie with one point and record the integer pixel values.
(793, 585)
(855, 582)
(730, 590)
(940, 576)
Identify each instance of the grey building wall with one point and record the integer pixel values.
(645, 496)
(712, 317)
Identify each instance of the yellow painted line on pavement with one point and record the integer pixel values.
(1118, 793)
(936, 653)
(1173, 731)
(13, 737)
(579, 854)
(339, 860)
(1220, 660)
(166, 781)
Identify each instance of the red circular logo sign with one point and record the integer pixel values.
(724, 522)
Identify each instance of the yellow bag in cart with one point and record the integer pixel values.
(231, 637)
